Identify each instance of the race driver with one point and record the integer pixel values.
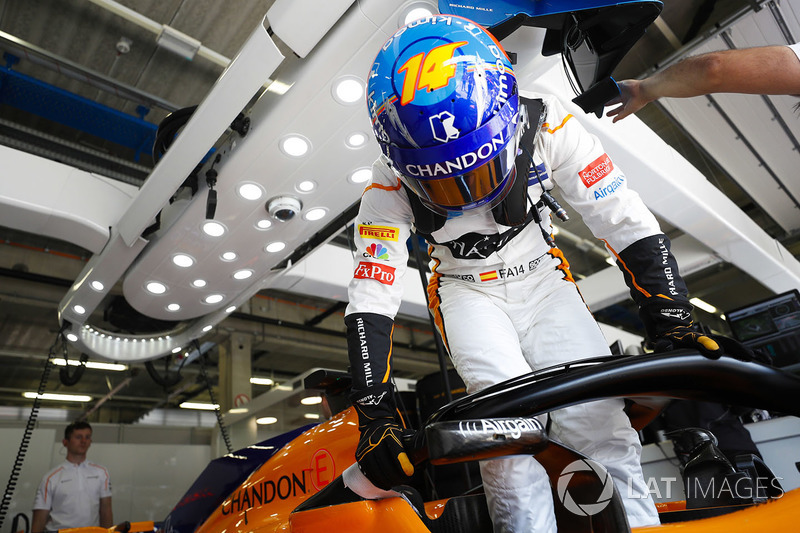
(467, 163)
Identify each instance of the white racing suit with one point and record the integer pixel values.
(505, 304)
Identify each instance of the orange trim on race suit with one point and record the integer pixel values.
(383, 187)
(628, 270)
(434, 301)
(546, 126)
(564, 265)
(388, 373)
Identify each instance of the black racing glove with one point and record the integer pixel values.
(669, 326)
(380, 453)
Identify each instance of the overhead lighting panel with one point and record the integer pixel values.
(58, 397)
(199, 405)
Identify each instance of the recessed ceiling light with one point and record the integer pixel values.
(356, 140)
(229, 256)
(250, 191)
(206, 329)
(213, 298)
(266, 420)
(176, 349)
(155, 287)
(311, 416)
(315, 214)
(311, 400)
(96, 285)
(71, 337)
(276, 246)
(295, 145)
(199, 283)
(306, 186)
(79, 309)
(261, 381)
(213, 229)
(362, 175)
(263, 223)
(348, 90)
(182, 260)
(242, 274)
(173, 307)
(231, 309)
(415, 13)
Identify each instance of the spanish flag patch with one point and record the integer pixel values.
(488, 276)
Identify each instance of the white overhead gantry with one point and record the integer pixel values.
(670, 186)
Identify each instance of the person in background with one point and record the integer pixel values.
(77, 493)
(762, 70)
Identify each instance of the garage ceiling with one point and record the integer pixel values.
(86, 48)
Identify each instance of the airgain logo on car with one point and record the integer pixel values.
(510, 427)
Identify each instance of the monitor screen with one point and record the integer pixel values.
(772, 325)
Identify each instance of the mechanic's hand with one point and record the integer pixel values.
(631, 99)
(380, 452)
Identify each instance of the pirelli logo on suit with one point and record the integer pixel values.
(383, 233)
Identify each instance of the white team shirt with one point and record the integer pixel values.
(796, 49)
(72, 494)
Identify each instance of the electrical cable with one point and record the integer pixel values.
(165, 381)
(26, 435)
(222, 429)
(64, 374)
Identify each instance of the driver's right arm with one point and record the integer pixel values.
(380, 231)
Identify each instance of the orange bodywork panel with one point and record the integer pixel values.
(392, 515)
(776, 516)
(299, 470)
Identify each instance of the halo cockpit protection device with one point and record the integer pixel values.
(444, 105)
(592, 36)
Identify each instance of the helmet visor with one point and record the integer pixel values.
(484, 186)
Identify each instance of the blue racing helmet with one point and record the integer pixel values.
(443, 100)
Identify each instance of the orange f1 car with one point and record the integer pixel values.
(293, 483)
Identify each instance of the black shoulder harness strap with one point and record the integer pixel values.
(513, 210)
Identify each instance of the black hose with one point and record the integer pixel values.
(26, 436)
(222, 429)
(70, 379)
(167, 381)
(15, 523)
